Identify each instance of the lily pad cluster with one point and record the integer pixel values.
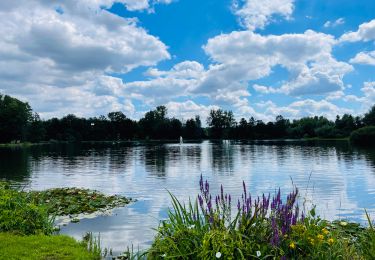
(73, 201)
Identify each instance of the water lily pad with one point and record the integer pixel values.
(74, 201)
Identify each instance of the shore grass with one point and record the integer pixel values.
(42, 247)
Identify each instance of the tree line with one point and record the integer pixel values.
(18, 122)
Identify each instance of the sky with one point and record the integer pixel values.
(258, 58)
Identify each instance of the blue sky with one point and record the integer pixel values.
(258, 58)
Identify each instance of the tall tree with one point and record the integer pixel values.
(220, 122)
(15, 116)
(369, 118)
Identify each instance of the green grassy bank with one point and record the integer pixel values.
(43, 247)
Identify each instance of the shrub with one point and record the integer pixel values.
(19, 215)
(363, 136)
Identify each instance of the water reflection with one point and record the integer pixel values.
(155, 158)
(222, 156)
(339, 178)
(15, 165)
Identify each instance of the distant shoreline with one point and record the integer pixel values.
(29, 144)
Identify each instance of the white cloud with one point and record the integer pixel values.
(264, 89)
(70, 52)
(323, 76)
(366, 58)
(244, 56)
(189, 109)
(240, 57)
(254, 14)
(57, 102)
(366, 32)
(368, 90)
(165, 85)
(367, 100)
(336, 95)
(332, 24)
(303, 108)
(137, 5)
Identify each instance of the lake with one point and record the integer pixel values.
(337, 177)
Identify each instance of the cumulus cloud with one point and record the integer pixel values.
(365, 32)
(70, 51)
(323, 76)
(367, 99)
(365, 58)
(303, 108)
(256, 14)
(331, 24)
(244, 56)
(368, 90)
(189, 109)
(178, 81)
(240, 57)
(265, 90)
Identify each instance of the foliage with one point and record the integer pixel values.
(45, 247)
(20, 215)
(70, 201)
(220, 122)
(364, 136)
(14, 118)
(263, 227)
(369, 118)
(156, 125)
(18, 123)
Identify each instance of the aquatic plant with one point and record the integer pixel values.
(73, 201)
(262, 227)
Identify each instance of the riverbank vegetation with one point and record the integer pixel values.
(27, 222)
(20, 124)
(364, 136)
(262, 227)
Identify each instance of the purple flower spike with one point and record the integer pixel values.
(222, 193)
(201, 183)
(200, 199)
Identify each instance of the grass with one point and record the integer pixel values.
(262, 227)
(42, 247)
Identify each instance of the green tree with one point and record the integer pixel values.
(193, 128)
(369, 118)
(15, 116)
(36, 130)
(221, 123)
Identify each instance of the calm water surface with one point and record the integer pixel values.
(338, 178)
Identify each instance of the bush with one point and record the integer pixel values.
(19, 215)
(363, 136)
